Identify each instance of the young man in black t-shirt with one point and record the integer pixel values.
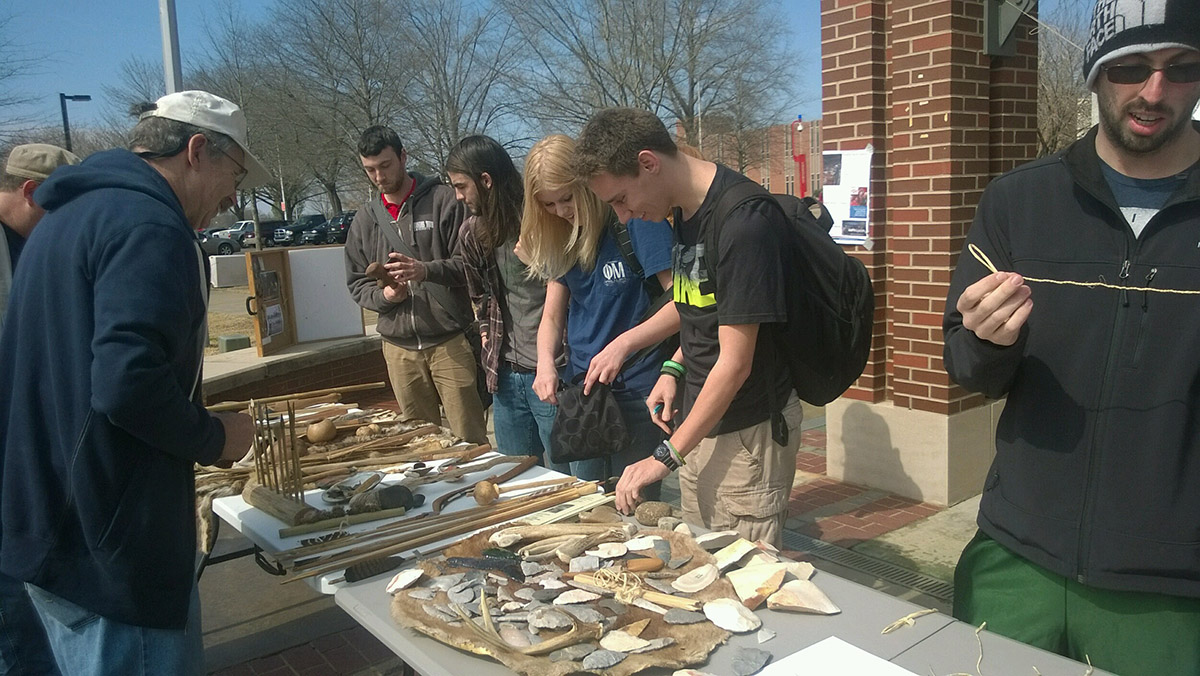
(733, 475)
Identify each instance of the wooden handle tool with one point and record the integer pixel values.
(486, 492)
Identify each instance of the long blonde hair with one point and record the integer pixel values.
(552, 244)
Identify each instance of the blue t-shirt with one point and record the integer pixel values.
(610, 300)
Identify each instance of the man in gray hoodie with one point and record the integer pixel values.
(412, 230)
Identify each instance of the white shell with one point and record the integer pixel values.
(404, 579)
(640, 543)
(575, 596)
(684, 529)
(731, 616)
(734, 552)
(714, 541)
(622, 642)
(802, 596)
(697, 579)
(609, 550)
(754, 584)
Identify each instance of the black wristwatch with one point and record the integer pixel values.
(662, 453)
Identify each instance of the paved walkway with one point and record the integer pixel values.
(851, 517)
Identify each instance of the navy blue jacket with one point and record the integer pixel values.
(100, 413)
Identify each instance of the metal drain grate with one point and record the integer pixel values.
(869, 565)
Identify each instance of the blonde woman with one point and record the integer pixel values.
(594, 296)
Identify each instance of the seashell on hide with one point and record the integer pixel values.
(641, 543)
(608, 550)
(754, 584)
(697, 579)
(404, 579)
(733, 552)
(683, 529)
(731, 616)
(802, 596)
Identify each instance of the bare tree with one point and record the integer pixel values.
(681, 59)
(1064, 102)
(584, 54)
(458, 86)
(16, 62)
(715, 70)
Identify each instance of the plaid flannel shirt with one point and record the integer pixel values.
(486, 293)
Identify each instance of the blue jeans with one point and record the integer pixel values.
(86, 644)
(23, 645)
(522, 421)
(644, 437)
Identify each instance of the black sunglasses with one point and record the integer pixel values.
(1178, 73)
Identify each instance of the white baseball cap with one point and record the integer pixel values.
(213, 113)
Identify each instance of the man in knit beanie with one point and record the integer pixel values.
(1089, 524)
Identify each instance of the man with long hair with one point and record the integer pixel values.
(507, 300)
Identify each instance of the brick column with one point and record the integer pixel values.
(910, 78)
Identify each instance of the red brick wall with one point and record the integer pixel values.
(365, 368)
(910, 78)
(855, 98)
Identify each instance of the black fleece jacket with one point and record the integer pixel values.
(1097, 468)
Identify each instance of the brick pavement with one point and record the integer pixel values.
(834, 512)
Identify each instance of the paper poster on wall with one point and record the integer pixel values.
(846, 192)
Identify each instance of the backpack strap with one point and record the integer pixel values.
(731, 198)
(620, 234)
(654, 291)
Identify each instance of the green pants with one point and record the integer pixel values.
(1127, 633)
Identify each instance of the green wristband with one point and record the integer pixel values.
(675, 452)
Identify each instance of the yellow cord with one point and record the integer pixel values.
(987, 262)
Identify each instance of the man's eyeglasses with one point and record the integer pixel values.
(1178, 73)
(242, 171)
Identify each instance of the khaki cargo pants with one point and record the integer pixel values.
(742, 480)
(443, 374)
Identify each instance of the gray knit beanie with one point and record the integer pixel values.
(1123, 27)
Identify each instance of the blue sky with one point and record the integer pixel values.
(84, 42)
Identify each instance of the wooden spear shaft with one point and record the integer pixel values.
(430, 525)
(404, 545)
(239, 405)
(422, 521)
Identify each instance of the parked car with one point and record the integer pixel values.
(338, 227)
(217, 244)
(267, 229)
(289, 234)
(315, 235)
(240, 231)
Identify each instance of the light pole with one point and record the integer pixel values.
(62, 101)
(799, 154)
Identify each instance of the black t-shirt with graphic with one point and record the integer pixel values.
(748, 289)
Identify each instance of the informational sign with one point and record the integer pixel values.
(846, 192)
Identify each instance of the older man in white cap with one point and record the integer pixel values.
(1089, 540)
(101, 420)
